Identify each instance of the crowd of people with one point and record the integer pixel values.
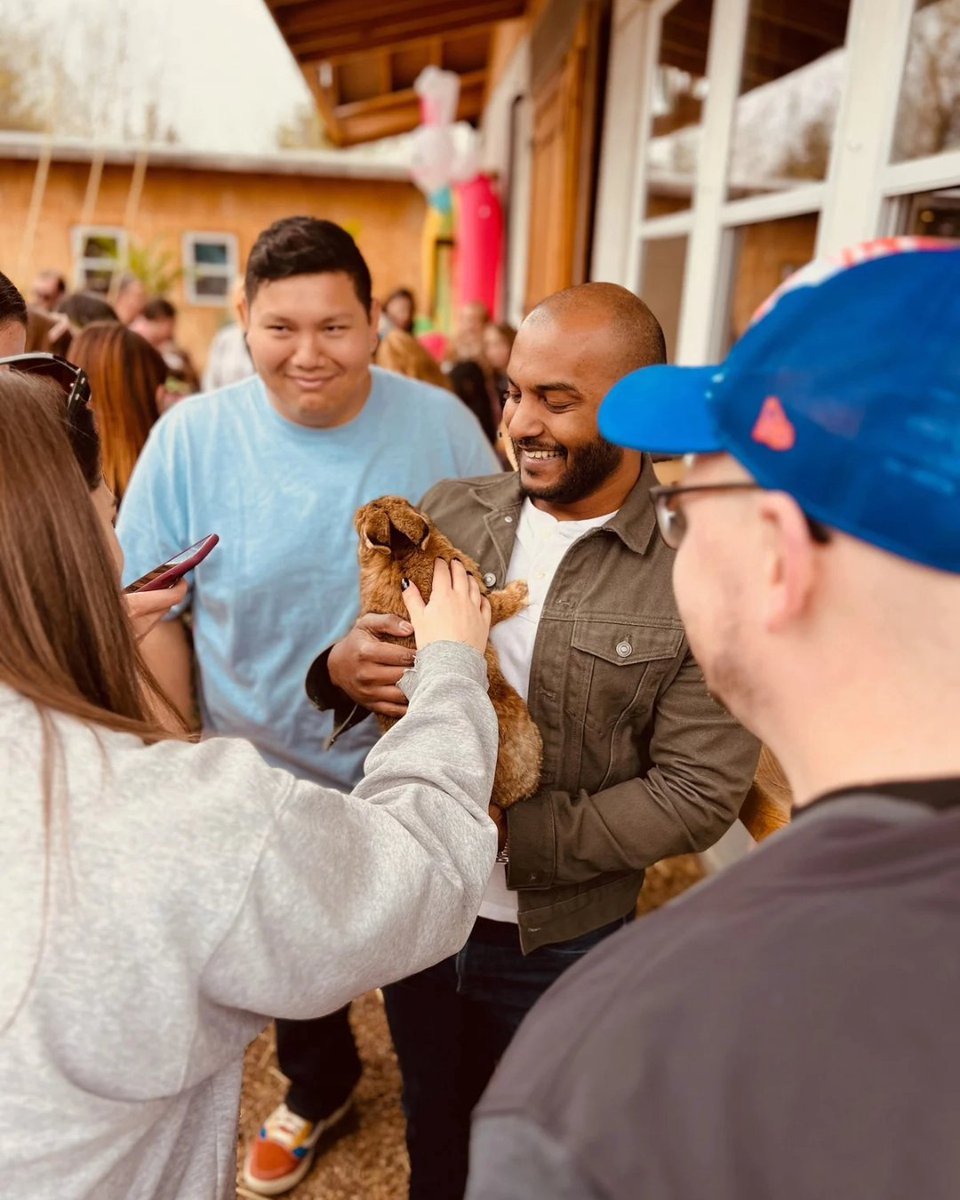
(209, 831)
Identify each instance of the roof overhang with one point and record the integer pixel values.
(329, 164)
(360, 60)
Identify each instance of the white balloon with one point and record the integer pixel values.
(439, 92)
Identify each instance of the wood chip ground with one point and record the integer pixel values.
(369, 1162)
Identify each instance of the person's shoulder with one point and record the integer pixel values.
(227, 400)
(224, 778)
(404, 386)
(197, 414)
(486, 490)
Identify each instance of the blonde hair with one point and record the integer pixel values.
(401, 352)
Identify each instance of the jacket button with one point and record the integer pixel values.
(624, 649)
(489, 579)
(509, 520)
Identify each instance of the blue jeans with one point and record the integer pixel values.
(450, 1025)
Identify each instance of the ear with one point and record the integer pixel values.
(375, 311)
(790, 564)
(412, 525)
(374, 531)
(243, 312)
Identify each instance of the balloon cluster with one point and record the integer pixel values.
(445, 163)
(444, 151)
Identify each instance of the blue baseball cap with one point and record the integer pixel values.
(844, 393)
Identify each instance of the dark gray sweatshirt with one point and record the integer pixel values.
(789, 1030)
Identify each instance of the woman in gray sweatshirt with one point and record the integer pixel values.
(162, 899)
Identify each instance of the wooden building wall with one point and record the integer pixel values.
(568, 65)
(386, 217)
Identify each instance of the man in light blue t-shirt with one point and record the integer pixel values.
(277, 465)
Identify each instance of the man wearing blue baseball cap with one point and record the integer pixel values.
(789, 1028)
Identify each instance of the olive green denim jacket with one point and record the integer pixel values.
(639, 761)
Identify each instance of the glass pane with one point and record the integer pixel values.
(764, 255)
(212, 285)
(932, 214)
(100, 245)
(928, 119)
(96, 281)
(214, 253)
(661, 284)
(676, 105)
(790, 83)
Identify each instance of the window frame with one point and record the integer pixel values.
(79, 234)
(861, 197)
(191, 271)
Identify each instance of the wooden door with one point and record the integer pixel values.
(553, 193)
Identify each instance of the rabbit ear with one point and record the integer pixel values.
(412, 525)
(374, 529)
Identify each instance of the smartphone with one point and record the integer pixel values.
(167, 574)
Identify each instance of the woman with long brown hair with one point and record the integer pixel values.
(158, 896)
(126, 376)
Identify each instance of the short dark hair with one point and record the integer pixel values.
(306, 246)
(13, 307)
(83, 308)
(159, 309)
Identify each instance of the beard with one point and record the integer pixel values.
(584, 472)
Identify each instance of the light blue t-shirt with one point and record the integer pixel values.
(284, 582)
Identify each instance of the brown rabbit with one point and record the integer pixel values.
(397, 541)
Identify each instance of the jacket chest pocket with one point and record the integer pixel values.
(616, 669)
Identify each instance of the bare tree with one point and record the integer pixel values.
(21, 105)
(304, 131)
(929, 117)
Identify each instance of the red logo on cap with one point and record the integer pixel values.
(774, 428)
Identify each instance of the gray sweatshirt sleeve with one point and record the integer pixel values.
(511, 1158)
(352, 892)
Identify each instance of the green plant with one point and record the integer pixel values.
(155, 265)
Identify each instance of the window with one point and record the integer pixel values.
(762, 255)
(791, 78)
(209, 267)
(661, 284)
(99, 254)
(768, 132)
(679, 89)
(931, 214)
(928, 118)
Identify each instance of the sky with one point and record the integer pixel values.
(218, 71)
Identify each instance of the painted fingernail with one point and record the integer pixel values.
(404, 584)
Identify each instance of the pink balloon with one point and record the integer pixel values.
(479, 244)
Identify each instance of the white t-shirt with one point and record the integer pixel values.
(541, 543)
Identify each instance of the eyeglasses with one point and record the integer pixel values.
(70, 379)
(672, 520)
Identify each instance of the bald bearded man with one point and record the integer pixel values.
(639, 761)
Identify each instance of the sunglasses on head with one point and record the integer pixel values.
(72, 381)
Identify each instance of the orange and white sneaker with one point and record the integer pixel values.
(282, 1152)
